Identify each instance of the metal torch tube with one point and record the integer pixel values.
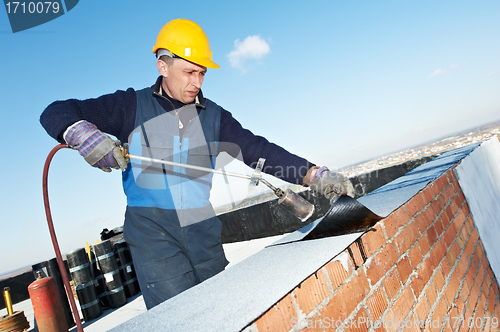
(203, 169)
(198, 168)
(273, 188)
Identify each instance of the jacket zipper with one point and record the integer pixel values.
(159, 95)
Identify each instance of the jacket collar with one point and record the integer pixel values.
(157, 92)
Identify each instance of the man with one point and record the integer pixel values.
(170, 224)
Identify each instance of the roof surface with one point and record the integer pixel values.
(234, 298)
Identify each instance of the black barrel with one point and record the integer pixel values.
(126, 266)
(79, 267)
(109, 268)
(100, 285)
(50, 268)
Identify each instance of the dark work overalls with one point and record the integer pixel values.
(170, 224)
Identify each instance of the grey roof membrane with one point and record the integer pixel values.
(236, 297)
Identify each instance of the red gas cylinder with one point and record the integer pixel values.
(47, 305)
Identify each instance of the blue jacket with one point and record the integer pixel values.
(158, 135)
(115, 114)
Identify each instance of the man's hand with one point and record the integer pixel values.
(96, 148)
(330, 184)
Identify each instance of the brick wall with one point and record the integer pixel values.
(424, 268)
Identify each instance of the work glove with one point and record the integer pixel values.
(331, 184)
(96, 148)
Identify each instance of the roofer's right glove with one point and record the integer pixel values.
(96, 148)
(331, 184)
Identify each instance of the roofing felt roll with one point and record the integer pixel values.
(111, 273)
(79, 267)
(346, 216)
(126, 267)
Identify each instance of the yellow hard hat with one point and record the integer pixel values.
(187, 40)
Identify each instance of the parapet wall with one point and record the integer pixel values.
(423, 268)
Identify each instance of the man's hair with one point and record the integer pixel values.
(167, 59)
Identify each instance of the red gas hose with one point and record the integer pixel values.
(54, 238)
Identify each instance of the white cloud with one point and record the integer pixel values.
(438, 72)
(453, 66)
(252, 48)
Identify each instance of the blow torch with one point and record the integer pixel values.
(290, 200)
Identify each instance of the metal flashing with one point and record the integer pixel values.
(479, 178)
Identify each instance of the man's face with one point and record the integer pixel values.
(182, 80)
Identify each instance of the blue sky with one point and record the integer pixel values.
(336, 82)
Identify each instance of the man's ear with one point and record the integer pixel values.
(162, 67)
